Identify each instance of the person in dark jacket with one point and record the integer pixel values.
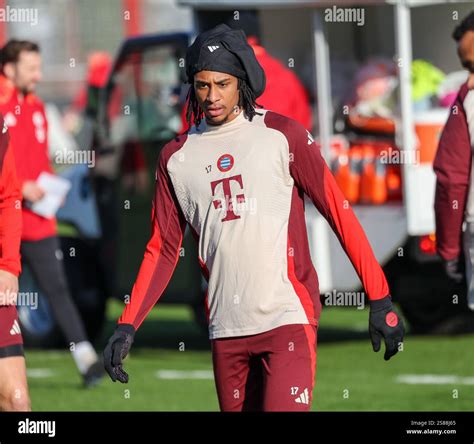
(454, 199)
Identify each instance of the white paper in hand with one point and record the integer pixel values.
(55, 191)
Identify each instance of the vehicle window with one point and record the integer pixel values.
(144, 103)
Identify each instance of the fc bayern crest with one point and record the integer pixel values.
(225, 162)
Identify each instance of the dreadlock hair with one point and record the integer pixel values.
(247, 101)
(465, 26)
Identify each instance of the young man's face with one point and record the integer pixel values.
(218, 96)
(26, 73)
(466, 55)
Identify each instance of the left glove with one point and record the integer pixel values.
(385, 323)
(116, 350)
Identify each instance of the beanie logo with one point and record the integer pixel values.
(213, 48)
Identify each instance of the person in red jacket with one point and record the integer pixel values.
(13, 384)
(454, 199)
(25, 117)
(295, 102)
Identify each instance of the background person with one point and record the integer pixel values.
(13, 384)
(454, 198)
(40, 248)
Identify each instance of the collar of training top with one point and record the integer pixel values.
(205, 127)
(226, 50)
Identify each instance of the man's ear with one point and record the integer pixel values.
(9, 70)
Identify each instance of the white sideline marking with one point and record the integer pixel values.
(39, 373)
(184, 374)
(435, 379)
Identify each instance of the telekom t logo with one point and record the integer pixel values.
(230, 215)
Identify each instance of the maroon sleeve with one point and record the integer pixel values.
(452, 166)
(10, 208)
(162, 251)
(312, 175)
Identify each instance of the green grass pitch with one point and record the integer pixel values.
(170, 370)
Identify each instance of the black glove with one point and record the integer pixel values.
(384, 322)
(451, 268)
(116, 350)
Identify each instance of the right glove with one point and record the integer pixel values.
(385, 323)
(451, 268)
(116, 350)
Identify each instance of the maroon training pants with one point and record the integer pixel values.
(270, 371)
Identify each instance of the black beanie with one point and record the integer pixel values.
(226, 50)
